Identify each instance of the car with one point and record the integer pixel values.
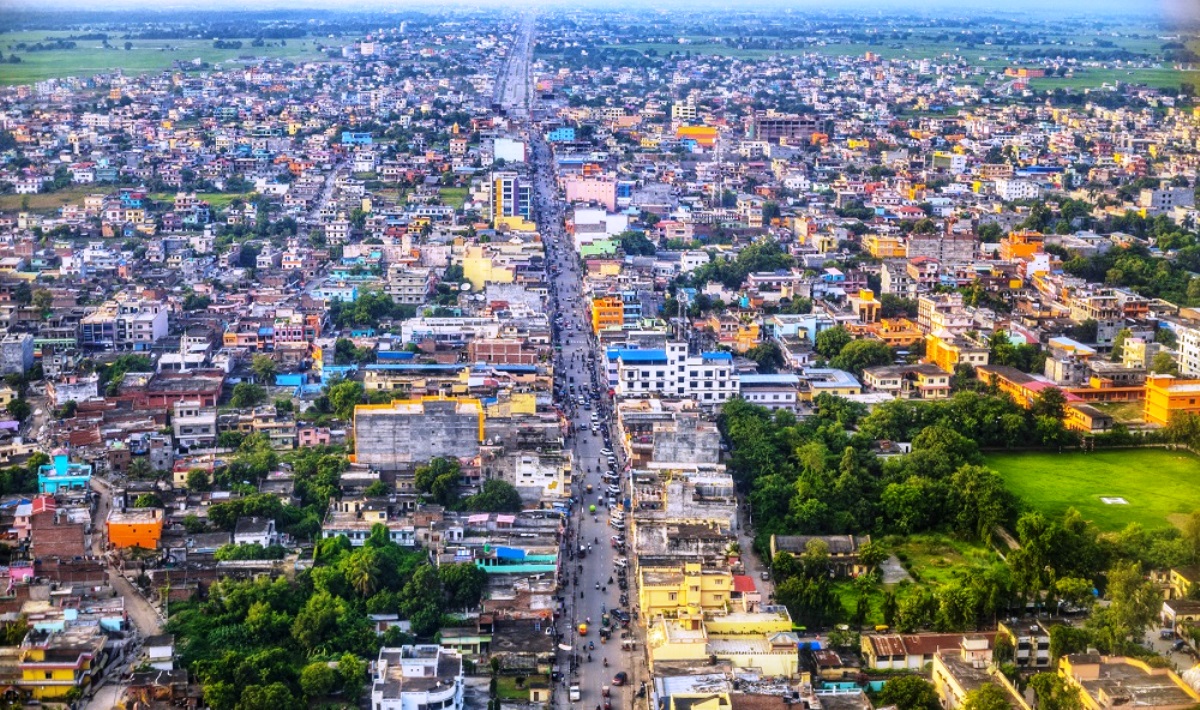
(621, 678)
(764, 575)
(606, 452)
(614, 489)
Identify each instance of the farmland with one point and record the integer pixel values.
(90, 57)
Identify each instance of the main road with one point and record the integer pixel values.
(592, 576)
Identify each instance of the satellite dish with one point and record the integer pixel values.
(464, 286)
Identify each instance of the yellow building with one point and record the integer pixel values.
(700, 701)
(949, 351)
(668, 591)
(743, 640)
(607, 312)
(1167, 397)
(882, 246)
(53, 663)
(480, 268)
(865, 305)
(1113, 681)
(897, 332)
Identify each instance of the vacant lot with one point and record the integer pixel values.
(932, 560)
(49, 202)
(1154, 487)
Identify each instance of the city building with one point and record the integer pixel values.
(417, 678)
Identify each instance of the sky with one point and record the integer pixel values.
(1175, 9)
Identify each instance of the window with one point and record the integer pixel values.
(672, 596)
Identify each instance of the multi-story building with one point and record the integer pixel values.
(194, 425)
(707, 378)
(682, 588)
(946, 248)
(1164, 199)
(1168, 397)
(16, 353)
(62, 475)
(424, 677)
(52, 663)
(921, 381)
(512, 199)
(130, 324)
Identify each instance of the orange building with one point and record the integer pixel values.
(949, 351)
(705, 136)
(1168, 396)
(135, 527)
(607, 312)
(1021, 245)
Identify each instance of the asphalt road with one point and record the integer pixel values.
(590, 593)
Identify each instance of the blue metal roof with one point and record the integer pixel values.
(717, 356)
(643, 356)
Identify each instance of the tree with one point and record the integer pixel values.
(43, 301)
(768, 356)
(247, 394)
(376, 489)
(831, 341)
(636, 243)
(353, 672)
(264, 369)
(362, 571)
(861, 354)
(197, 480)
(1051, 402)
(18, 409)
(909, 692)
(463, 584)
(344, 397)
(439, 478)
(318, 679)
(1118, 349)
(147, 500)
(987, 697)
(1053, 693)
(1164, 364)
(497, 496)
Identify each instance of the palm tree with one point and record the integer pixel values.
(362, 571)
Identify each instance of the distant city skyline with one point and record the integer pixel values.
(1175, 10)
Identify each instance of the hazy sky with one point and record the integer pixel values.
(1176, 9)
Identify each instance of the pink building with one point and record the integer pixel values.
(602, 191)
(313, 436)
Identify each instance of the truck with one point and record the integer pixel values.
(574, 693)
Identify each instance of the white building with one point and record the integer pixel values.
(1009, 189)
(194, 425)
(1188, 349)
(708, 378)
(508, 150)
(770, 391)
(424, 677)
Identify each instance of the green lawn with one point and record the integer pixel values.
(454, 197)
(89, 57)
(1158, 485)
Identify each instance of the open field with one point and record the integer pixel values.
(216, 200)
(48, 203)
(1157, 485)
(1124, 412)
(89, 57)
(454, 197)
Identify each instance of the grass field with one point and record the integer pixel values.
(47, 203)
(89, 57)
(454, 197)
(1159, 486)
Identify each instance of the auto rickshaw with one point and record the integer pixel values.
(604, 621)
(591, 508)
(583, 629)
(589, 490)
(604, 691)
